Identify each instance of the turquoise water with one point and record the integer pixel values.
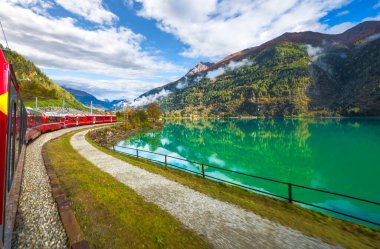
(338, 155)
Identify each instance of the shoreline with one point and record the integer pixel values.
(269, 117)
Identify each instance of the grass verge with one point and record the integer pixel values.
(328, 228)
(110, 214)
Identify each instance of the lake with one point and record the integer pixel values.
(338, 155)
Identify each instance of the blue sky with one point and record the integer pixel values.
(122, 48)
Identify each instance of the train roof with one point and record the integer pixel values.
(33, 112)
(54, 114)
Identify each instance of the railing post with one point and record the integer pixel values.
(137, 153)
(166, 161)
(290, 197)
(203, 170)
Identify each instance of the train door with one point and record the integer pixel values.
(12, 150)
(4, 103)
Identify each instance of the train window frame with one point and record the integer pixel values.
(13, 128)
(11, 141)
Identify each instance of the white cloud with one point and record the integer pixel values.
(343, 13)
(58, 43)
(214, 159)
(37, 6)
(314, 52)
(215, 73)
(145, 100)
(340, 28)
(91, 10)
(214, 28)
(377, 5)
(230, 66)
(373, 37)
(107, 89)
(183, 83)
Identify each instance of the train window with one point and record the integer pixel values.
(11, 153)
(81, 118)
(89, 118)
(73, 119)
(17, 131)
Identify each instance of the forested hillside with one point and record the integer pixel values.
(272, 83)
(296, 74)
(34, 83)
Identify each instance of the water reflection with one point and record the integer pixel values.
(339, 155)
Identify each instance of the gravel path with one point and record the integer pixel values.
(223, 224)
(38, 224)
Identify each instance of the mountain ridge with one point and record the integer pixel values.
(86, 98)
(313, 58)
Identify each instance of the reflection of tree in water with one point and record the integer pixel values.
(272, 148)
(333, 154)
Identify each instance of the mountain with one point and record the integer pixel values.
(86, 98)
(184, 82)
(34, 83)
(295, 74)
(200, 67)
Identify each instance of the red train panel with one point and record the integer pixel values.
(52, 122)
(99, 119)
(35, 124)
(71, 120)
(12, 147)
(18, 126)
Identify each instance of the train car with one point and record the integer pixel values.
(82, 119)
(90, 119)
(110, 119)
(107, 119)
(52, 121)
(71, 120)
(35, 124)
(99, 119)
(13, 125)
(19, 125)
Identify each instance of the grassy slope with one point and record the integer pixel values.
(332, 230)
(34, 83)
(56, 103)
(110, 214)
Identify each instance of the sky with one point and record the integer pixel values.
(117, 49)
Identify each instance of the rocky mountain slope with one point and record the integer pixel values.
(305, 73)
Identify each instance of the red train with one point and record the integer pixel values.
(18, 126)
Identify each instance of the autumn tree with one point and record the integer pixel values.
(154, 111)
(129, 114)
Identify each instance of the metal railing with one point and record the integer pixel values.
(290, 186)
